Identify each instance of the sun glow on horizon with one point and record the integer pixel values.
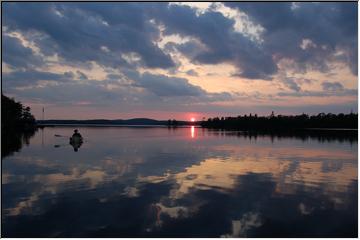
(192, 119)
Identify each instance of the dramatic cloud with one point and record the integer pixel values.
(167, 86)
(28, 78)
(181, 57)
(85, 32)
(222, 43)
(291, 83)
(335, 86)
(17, 55)
(309, 33)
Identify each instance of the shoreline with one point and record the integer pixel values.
(195, 125)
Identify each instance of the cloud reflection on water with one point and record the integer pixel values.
(177, 184)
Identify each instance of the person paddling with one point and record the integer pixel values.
(76, 134)
(76, 140)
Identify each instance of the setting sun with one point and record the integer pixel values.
(192, 119)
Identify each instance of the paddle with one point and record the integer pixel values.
(60, 145)
(58, 135)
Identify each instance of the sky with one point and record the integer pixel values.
(180, 60)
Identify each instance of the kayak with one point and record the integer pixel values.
(76, 139)
(76, 142)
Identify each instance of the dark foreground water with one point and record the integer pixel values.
(185, 182)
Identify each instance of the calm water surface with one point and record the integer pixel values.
(128, 182)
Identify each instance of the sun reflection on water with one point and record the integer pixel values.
(192, 129)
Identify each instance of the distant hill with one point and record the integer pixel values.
(134, 121)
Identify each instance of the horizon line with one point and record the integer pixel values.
(252, 114)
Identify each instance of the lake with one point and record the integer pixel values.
(180, 182)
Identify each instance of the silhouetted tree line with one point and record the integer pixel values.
(15, 115)
(172, 122)
(280, 122)
(301, 134)
(17, 125)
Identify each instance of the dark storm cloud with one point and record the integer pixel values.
(189, 49)
(32, 77)
(17, 55)
(71, 93)
(180, 88)
(82, 75)
(329, 26)
(178, 92)
(88, 32)
(222, 44)
(166, 86)
(123, 37)
(292, 84)
(103, 32)
(332, 86)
